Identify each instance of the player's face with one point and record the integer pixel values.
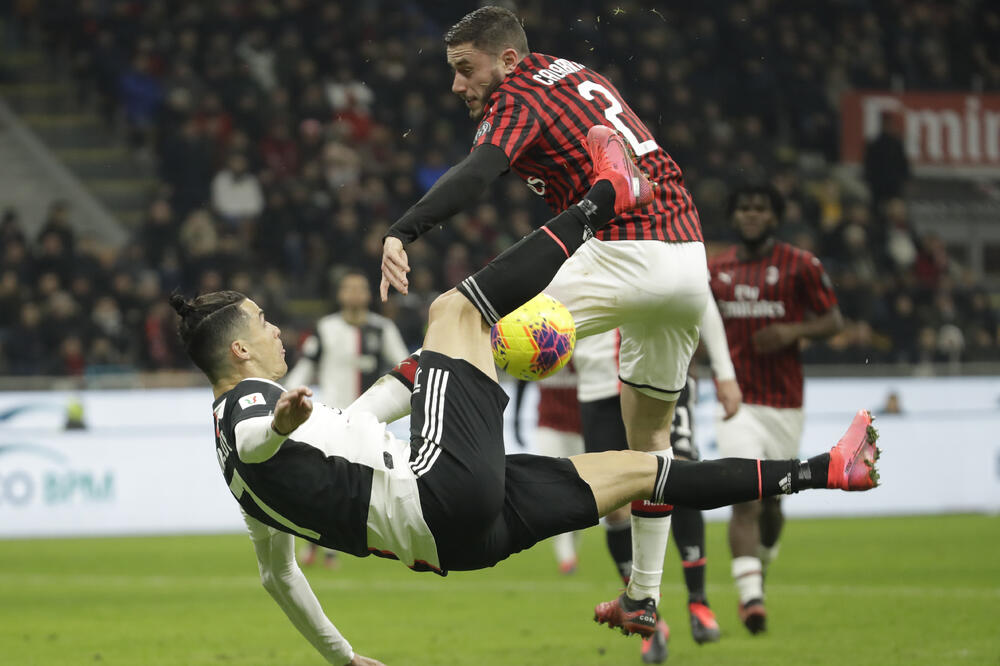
(477, 75)
(263, 339)
(753, 218)
(354, 293)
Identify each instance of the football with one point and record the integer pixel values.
(534, 341)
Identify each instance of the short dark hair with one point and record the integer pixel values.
(490, 29)
(208, 324)
(751, 189)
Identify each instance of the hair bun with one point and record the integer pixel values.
(180, 305)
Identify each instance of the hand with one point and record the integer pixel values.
(292, 410)
(395, 266)
(363, 661)
(728, 392)
(774, 337)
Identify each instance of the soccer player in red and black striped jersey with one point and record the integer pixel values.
(771, 296)
(645, 273)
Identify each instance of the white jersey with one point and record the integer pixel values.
(341, 481)
(347, 359)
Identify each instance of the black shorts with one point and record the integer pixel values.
(682, 427)
(480, 504)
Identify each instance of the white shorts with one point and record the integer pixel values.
(595, 359)
(653, 292)
(756, 431)
(557, 443)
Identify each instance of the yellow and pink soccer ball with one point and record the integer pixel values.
(536, 340)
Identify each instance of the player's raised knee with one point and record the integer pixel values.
(452, 306)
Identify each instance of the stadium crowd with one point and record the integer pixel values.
(289, 134)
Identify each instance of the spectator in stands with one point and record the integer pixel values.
(886, 166)
(236, 193)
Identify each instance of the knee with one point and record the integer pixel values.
(452, 306)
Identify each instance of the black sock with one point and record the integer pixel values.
(526, 268)
(688, 527)
(619, 538)
(714, 483)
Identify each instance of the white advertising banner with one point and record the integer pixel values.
(144, 462)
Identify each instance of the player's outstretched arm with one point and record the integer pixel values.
(287, 585)
(458, 188)
(713, 336)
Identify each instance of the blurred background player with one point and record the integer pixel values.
(558, 435)
(771, 296)
(349, 350)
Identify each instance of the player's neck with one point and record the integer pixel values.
(229, 382)
(756, 250)
(354, 317)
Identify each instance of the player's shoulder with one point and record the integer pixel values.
(799, 256)
(380, 321)
(722, 259)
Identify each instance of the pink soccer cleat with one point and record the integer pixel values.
(613, 161)
(631, 616)
(852, 460)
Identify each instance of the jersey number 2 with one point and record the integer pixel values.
(587, 90)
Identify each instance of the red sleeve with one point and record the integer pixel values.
(510, 125)
(815, 286)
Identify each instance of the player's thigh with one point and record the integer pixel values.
(682, 428)
(745, 435)
(660, 334)
(785, 426)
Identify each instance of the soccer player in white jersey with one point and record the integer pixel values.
(450, 499)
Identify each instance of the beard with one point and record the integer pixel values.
(477, 114)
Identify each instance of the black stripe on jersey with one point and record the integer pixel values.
(270, 392)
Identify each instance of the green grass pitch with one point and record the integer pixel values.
(918, 590)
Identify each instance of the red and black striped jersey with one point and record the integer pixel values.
(539, 116)
(752, 294)
(558, 405)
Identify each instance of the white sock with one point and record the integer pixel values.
(388, 399)
(767, 555)
(749, 581)
(565, 547)
(649, 548)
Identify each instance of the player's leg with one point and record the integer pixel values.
(746, 435)
(772, 520)
(547, 496)
(688, 525)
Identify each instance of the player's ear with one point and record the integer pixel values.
(509, 58)
(239, 350)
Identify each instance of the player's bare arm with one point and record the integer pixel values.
(780, 335)
(364, 661)
(292, 410)
(729, 395)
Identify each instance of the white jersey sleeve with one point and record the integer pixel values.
(256, 440)
(713, 334)
(286, 583)
(393, 348)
